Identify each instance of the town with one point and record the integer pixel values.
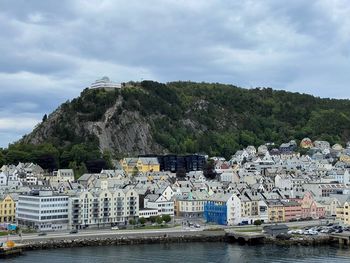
(266, 185)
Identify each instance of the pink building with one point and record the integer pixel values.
(311, 208)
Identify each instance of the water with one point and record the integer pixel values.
(187, 252)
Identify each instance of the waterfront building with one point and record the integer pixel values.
(43, 210)
(7, 209)
(160, 202)
(103, 207)
(191, 205)
(223, 209)
(343, 209)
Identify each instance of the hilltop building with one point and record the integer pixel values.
(105, 82)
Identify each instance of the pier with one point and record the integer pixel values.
(343, 238)
(11, 251)
(244, 237)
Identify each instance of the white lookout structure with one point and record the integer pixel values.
(105, 83)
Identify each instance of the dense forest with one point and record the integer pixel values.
(184, 117)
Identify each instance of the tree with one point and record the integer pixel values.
(142, 220)
(208, 170)
(96, 166)
(153, 219)
(159, 220)
(44, 118)
(166, 218)
(257, 222)
(107, 156)
(132, 222)
(2, 158)
(79, 170)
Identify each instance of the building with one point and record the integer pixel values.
(223, 209)
(105, 83)
(7, 209)
(275, 230)
(43, 210)
(275, 211)
(64, 175)
(191, 205)
(310, 208)
(174, 163)
(103, 207)
(343, 212)
(140, 164)
(147, 213)
(160, 202)
(292, 210)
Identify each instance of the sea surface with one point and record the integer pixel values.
(186, 252)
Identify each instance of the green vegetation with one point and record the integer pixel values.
(185, 117)
(257, 222)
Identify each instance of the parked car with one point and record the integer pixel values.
(42, 234)
(74, 231)
(115, 228)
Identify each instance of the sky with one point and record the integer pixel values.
(51, 50)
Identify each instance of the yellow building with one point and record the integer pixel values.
(343, 213)
(344, 158)
(276, 211)
(141, 164)
(7, 210)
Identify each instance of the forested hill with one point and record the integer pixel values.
(178, 117)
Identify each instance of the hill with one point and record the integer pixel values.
(178, 117)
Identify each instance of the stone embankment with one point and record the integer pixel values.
(210, 236)
(301, 241)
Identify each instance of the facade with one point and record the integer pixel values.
(161, 203)
(343, 213)
(103, 207)
(223, 209)
(141, 164)
(147, 213)
(7, 209)
(310, 208)
(192, 205)
(216, 212)
(43, 210)
(105, 83)
(174, 163)
(275, 211)
(292, 210)
(65, 175)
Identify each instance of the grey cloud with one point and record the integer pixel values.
(50, 50)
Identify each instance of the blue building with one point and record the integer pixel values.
(215, 213)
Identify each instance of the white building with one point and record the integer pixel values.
(160, 202)
(105, 83)
(103, 207)
(43, 211)
(3, 179)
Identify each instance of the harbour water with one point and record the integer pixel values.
(187, 252)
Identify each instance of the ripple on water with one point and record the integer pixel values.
(187, 252)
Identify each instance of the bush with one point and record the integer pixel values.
(142, 220)
(166, 218)
(257, 222)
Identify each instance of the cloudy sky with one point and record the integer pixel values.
(50, 50)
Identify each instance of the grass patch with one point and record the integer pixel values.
(153, 227)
